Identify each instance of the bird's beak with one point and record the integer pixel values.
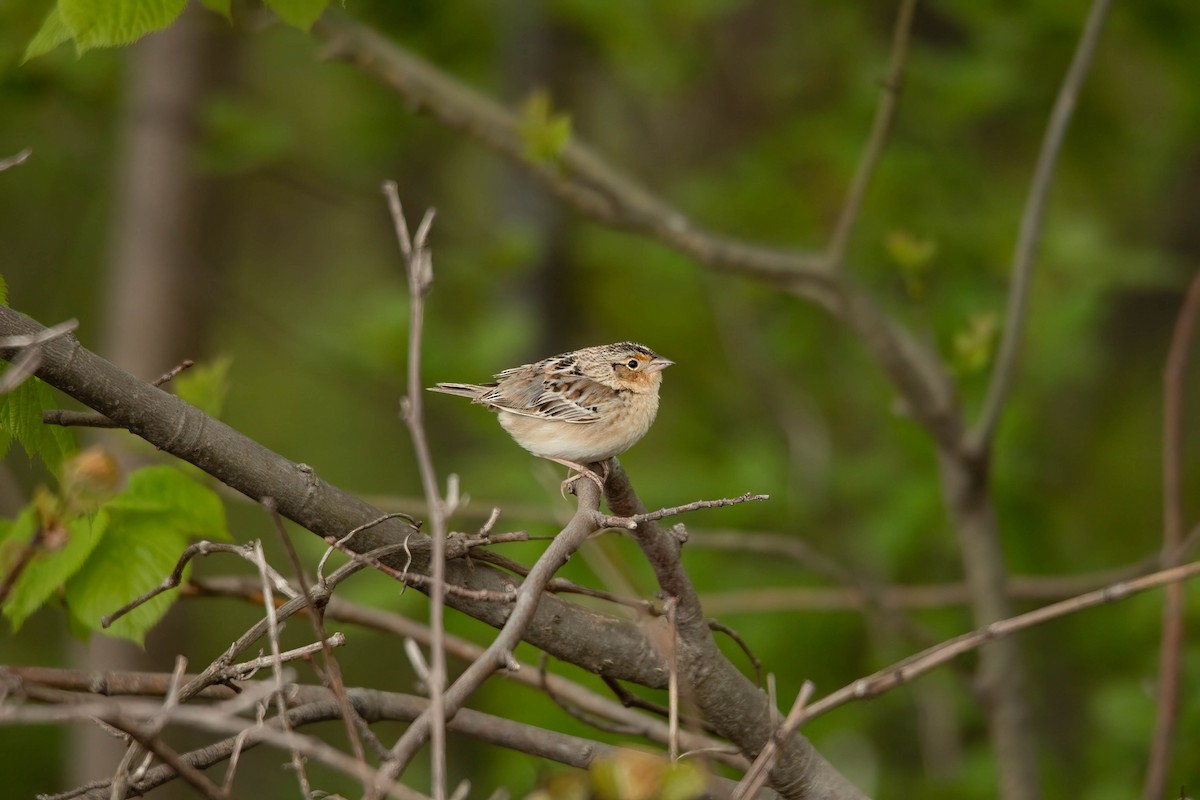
(658, 364)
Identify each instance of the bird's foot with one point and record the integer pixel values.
(583, 472)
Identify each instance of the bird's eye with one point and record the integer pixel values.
(632, 363)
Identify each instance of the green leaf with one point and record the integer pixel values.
(171, 500)
(300, 13)
(544, 133)
(64, 552)
(52, 33)
(913, 256)
(206, 385)
(134, 555)
(149, 525)
(219, 6)
(974, 344)
(21, 419)
(3, 292)
(111, 23)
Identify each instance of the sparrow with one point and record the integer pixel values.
(576, 408)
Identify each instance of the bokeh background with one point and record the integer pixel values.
(214, 192)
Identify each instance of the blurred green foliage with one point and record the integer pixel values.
(751, 117)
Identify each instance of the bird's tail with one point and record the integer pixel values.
(468, 390)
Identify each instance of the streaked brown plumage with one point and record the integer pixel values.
(576, 408)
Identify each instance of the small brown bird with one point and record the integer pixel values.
(576, 408)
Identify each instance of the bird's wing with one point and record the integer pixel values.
(537, 391)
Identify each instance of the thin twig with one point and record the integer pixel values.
(341, 543)
(204, 548)
(245, 669)
(881, 127)
(192, 776)
(19, 158)
(1029, 235)
(672, 681)
(173, 372)
(1171, 648)
(277, 667)
(566, 586)
(30, 358)
(419, 268)
(579, 175)
(584, 716)
(372, 560)
(632, 521)
(920, 663)
(94, 419)
(332, 667)
(714, 625)
(630, 700)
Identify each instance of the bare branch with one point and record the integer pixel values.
(18, 159)
(714, 625)
(672, 681)
(276, 664)
(419, 268)
(835, 252)
(579, 176)
(904, 671)
(632, 521)
(1025, 252)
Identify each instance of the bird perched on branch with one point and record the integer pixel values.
(577, 408)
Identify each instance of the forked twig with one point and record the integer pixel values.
(277, 669)
(418, 265)
(204, 548)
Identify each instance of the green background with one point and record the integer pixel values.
(750, 117)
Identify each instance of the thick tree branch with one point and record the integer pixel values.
(597, 642)
(580, 176)
(727, 698)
